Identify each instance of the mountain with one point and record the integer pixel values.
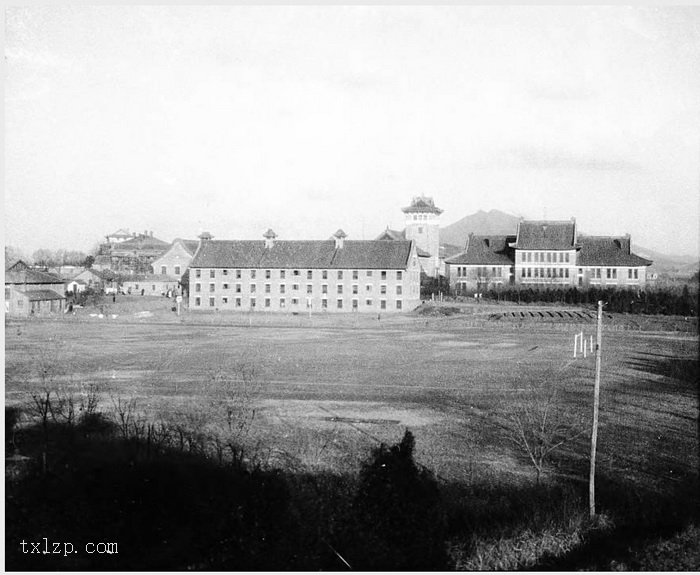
(668, 264)
(484, 223)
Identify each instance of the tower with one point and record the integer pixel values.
(423, 227)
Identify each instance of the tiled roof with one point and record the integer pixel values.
(422, 204)
(608, 251)
(121, 233)
(30, 276)
(546, 235)
(148, 278)
(485, 250)
(310, 254)
(142, 243)
(42, 295)
(388, 234)
(422, 253)
(449, 250)
(17, 266)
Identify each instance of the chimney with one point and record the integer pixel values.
(339, 237)
(269, 236)
(204, 236)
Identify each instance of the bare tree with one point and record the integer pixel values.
(539, 424)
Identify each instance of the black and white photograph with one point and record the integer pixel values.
(307, 287)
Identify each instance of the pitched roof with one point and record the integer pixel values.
(29, 276)
(42, 294)
(546, 235)
(120, 233)
(189, 245)
(19, 265)
(608, 251)
(422, 204)
(308, 254)
(388, 234)
(485, 250)
(142, 242)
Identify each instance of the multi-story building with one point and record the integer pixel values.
(335, 275)
(548, 254)
(177, 259)
(134, 255)
(32, 292)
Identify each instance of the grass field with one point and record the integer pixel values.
(329, 388)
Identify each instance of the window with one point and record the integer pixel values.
(566, 257)
(529, 256)
(283, 303)
(238, 274)
(399, 276)
(529, 272)
(153, 288)
(608, 273)
(614, 273)
(177, 271)
(295, 301)
(354, 288)
(399, 290)
(636, 274)
(340, 289)
(355, 274)
(309, 274)
(212, 273)
(198, 273)
(212, 301)
(537, 272)
(549, 257)
(295, 287)
(420, 229)
(295, 272)
(238, 302)
(369, 273)
(224, 300)
(523, 272)
(197, 287)
(267, 302)
(324, 274)
(164, 270)
(252, 274)
(309, 288)
(399, 304)
(226, 286)
(267, 288)
(283, 274)
(523, 257)
(340, 303)
(368, 302)
(198, 301)
(252, 302)
(324, 288)
(267, 274)
(340, 274)
(238, 288)
(212, 287)
(252, 288)
(368, 287)
(382, 289)
(324, 303)
(225, 272)
(566, 272)
(561, 257)
(382, 304)
(537, 257)
(355, 304)
(283, 288)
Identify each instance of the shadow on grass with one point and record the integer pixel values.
(168, 509)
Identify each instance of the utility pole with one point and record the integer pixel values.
(596, 400)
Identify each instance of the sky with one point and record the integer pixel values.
(306, 119)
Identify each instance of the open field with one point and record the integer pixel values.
(328, 388)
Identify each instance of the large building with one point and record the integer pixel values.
(335, 275)
(547, 254)
(133, 255)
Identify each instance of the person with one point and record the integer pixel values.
(143, 291)
(114, 297)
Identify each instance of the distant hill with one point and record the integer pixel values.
(668, 264)
(484, 223)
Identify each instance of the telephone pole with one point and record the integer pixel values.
(596, 400)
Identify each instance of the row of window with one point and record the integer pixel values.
(295, 273)
(252, 288)
(267, 302)
(544, 272)
(542, 257)
(164, 270)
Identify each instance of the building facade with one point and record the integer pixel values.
(333, 275)
(32, 292)
(177, 259)
(548, 254)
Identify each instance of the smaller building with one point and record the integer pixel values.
(177, 259)
(76, 286)
(486, 262)
(98, 280)
(32, 292)
(149, 284)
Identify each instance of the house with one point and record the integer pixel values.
(177, 259)
(119, 236)
(334, 275)
(133, 255)
(99, 280)
(546, 253)
(149, 284)
(32, 292)
(76, 286)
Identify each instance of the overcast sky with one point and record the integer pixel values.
(309, 119)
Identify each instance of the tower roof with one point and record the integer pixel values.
(422, 204)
